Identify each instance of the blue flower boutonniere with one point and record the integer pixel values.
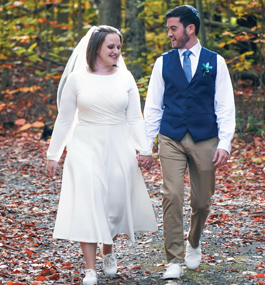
(206, 67)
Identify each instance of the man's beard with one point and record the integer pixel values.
(181, 42)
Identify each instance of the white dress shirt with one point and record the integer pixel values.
(223, 101)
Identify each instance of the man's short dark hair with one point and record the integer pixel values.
(186, 17)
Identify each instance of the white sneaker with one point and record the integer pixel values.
(91, 277)
(174, 270)
(109, 265)
(193, 256)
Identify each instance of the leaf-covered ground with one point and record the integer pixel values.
(233, 240)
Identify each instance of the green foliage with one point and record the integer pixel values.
(33, 34)
(142, 84)
(252, 125)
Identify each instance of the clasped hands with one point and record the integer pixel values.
(145, 161)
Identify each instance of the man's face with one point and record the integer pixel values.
(177, 33)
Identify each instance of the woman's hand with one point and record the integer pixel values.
(51, 166)
(145, 161)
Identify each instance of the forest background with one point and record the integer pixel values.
(37, 38)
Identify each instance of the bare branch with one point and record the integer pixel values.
(52, 61)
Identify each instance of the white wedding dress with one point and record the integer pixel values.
(103, 192)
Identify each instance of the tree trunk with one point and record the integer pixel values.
(48, 47)
(202, 28)
(80, 23)
(110, 13)
(5, 72)
(135, 38)
(62, 16)
(261, 56)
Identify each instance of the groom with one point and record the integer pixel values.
(190, 102)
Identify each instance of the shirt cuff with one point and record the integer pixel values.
(146, 152)
(224, 144)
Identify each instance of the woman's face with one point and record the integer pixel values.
(110, 50)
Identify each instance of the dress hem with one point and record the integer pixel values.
(101, 241)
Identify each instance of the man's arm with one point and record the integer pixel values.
(153, 110)
(225, 112)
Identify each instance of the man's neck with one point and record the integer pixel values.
(191, 43)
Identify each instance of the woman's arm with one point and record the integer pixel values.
(64, 120)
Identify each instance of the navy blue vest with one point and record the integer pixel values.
(189, 106)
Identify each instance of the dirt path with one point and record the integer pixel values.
(233, 241)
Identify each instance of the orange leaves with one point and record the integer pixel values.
(3, 57)
(2, 106)
(47, 263)
(13, 283)
(223, 217)
(26, 126)
(31, 89)
(235, 229)
(226, 33)
(55, 276)
(37, 124)
(258, 219)
(48, 273)
(30, 253)
(218, 219)
(20, 122)
(42, 20)
(256, 276)
(2, 66)
(41, 278)
(67, 267)
(51, 2)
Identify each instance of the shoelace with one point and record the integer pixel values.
(172, 265)
(90, 273)
(109, 260)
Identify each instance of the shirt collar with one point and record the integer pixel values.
(196, 49)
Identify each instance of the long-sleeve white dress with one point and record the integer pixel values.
(103, 192)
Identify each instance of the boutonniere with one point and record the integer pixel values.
(206, 67)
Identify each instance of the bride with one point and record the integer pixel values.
(103, 192)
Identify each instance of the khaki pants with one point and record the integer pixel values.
(175, 158)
